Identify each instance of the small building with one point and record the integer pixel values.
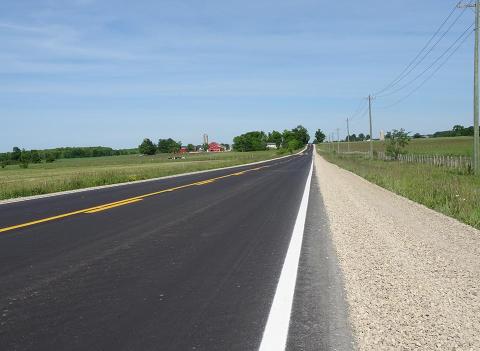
(215, 147)
(271, 146)
(183, 150)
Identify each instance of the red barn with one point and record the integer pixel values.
(183, 150)
(215, 147)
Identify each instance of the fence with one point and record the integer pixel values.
(463, 163)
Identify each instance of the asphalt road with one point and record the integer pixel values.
(187, 263)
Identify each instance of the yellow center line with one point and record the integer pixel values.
(205, 182)
(110, 205)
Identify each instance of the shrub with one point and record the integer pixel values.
(395, 145)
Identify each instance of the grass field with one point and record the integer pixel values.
(69, 174)
(458, 146)
(444, 190)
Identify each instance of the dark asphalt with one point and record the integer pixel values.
(192, 269)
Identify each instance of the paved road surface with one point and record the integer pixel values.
(187, 263)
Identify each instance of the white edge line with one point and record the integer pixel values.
(35, 197)
(276, 330)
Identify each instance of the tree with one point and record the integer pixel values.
(190, 147)
(25, 158)
(169, 146)
(3, 160)
(361, 137)
(147, 147)
(35, 156)
(301, 134)
(205, 147)
(353, 137)
(16, 153)
(458, 130)
(395, 146)
(49, 157)
(275, 137)
(251, 141)
(293, 145)
(319, 136)
(417, 136)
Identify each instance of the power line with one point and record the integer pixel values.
(430, 66)
(363, 113)
(408, 69)
(431, 75)
(358, 109)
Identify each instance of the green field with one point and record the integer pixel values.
(455, 146)
(76, 173)
(444, 190)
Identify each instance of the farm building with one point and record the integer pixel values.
(271, 146)
(215, 147)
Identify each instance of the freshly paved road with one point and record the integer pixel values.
(194, 268)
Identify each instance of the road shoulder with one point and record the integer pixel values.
(412, 275)
(319, 319)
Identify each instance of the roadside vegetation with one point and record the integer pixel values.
(452, 192)
(69, 174)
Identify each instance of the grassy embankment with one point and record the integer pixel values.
(69, 174)
(444, 190)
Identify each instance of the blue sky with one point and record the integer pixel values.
(111, 72)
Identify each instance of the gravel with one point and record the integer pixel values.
(412, 275)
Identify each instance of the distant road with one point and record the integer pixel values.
(187, 263)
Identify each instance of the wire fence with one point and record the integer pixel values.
(463, 163)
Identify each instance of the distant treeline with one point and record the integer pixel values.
(24, 157)
(456, 131)
(257, 140)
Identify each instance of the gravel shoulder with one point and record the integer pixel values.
(412, 275)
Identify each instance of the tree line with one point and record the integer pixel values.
(170, 146)
(257, 140)
(457, 130)
(24, 157)
(164, 146)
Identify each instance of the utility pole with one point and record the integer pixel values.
(338, 140)
(476, 136)
(370, 118)
(476, 155)
(348, 136)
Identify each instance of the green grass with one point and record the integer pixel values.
(69, 174)
(444, 190)
(457, 146)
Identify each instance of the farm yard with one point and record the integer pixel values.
(77, 173)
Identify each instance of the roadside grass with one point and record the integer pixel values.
(445, 190)
(70, 174)
(455, 146)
